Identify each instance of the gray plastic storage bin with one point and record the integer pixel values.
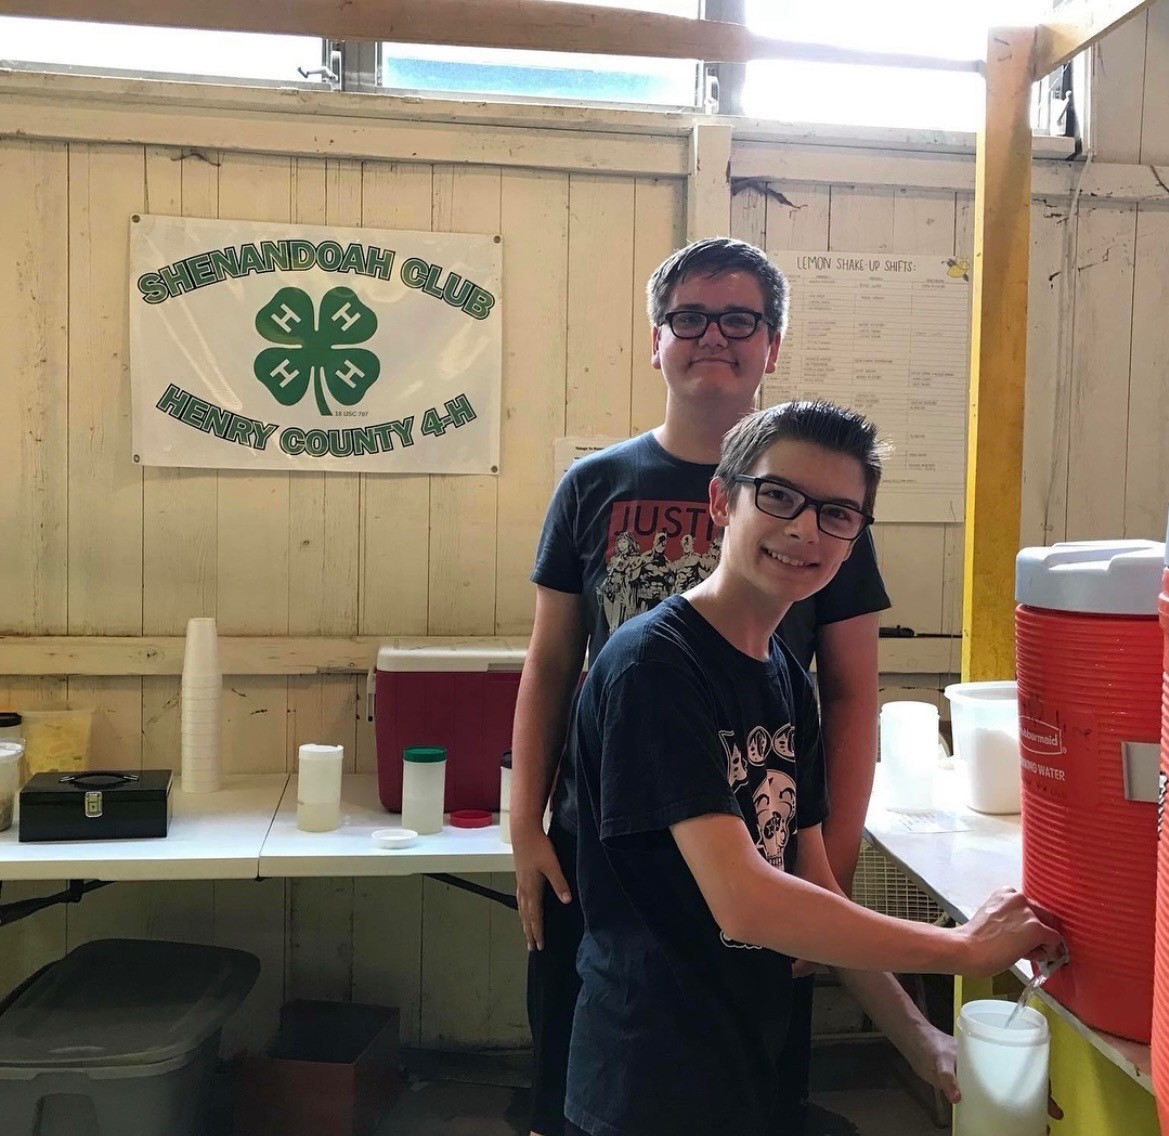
(119, 1038)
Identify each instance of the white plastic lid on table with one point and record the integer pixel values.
(1101, 577)
(447, 659)
(121, 1003)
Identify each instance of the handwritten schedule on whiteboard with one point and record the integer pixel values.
(890, 336)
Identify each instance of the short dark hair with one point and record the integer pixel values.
(716, 257)
(818, 421)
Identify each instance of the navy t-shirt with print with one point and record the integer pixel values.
(630, 525)
(678, 1029)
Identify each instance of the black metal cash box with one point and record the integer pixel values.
(96, 805)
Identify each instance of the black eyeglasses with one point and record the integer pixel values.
(737, 323)
(778, 499)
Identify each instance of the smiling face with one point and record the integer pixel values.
(787, 560)
(714, 367)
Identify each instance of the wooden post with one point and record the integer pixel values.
(998, 358)
(708, 189)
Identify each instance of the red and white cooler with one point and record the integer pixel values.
(1088, 655)
(1161, 967)
(462, 699)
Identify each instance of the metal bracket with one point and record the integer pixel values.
(23, 908)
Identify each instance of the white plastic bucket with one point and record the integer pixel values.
(1002, 1072)
(985, 716)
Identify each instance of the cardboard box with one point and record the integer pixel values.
(333, 1070)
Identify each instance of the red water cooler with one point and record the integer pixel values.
(461, 698)
(1161, 968)
(1088, 655)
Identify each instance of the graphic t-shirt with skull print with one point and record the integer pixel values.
(678, 1029)
(630, 525)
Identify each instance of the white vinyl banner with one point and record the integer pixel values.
(271, 346)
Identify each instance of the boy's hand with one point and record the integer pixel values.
(535, 863)
(934, 1060)
(1003, 930)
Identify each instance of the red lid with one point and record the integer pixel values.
(470, 818)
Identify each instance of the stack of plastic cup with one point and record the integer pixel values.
(202, 712)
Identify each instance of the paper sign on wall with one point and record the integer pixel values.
(270, 346)
(888, 335)
(565, 451)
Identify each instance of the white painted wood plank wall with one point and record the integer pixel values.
(96, 544)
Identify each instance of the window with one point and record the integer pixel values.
(839, 94)
(120, 47)
(548, 75)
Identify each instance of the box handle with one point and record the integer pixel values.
(98, 779)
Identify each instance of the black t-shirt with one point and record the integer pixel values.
(678, 1029)
(630, 525)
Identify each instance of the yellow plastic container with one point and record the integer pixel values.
(56, 738)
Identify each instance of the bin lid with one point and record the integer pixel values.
(123, 1002)
(446, 659)
(1102, 577)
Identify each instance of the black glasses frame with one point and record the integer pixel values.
(807, 503)
(714, 317)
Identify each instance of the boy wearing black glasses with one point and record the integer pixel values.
(627, 527)
(700, 796)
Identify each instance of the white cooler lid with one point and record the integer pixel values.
(1103, 577)
(450, 658)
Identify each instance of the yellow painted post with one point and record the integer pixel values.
(1096, 1097)
(998, 358)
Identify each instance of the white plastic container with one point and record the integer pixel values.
(11, 756)
(11, 726)
(909, 755)
(120, 1036)
(56, 738)
(985, 716)
(423, 788)
(1002, 1072)
(505, 798)
(318, 787)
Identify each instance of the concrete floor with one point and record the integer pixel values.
(445, 1108)
(476, 1094)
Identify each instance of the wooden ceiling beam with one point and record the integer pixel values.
(525, 24)
(1077, 26)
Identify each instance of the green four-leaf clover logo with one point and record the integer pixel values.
(317, 351)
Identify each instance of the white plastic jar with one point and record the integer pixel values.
(11, 753)
(505, 797)
(11, 726)
(318, 787)
(423, 788)
(1002, 1072)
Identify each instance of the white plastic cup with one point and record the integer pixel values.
(985, 717)
(423, 788)
(201, 650)
(201, 734)
(11, 755)
(202, 686)
(318, 787)
(505, 798)
(1002, 1072)
(909, 755)
(203, 707)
